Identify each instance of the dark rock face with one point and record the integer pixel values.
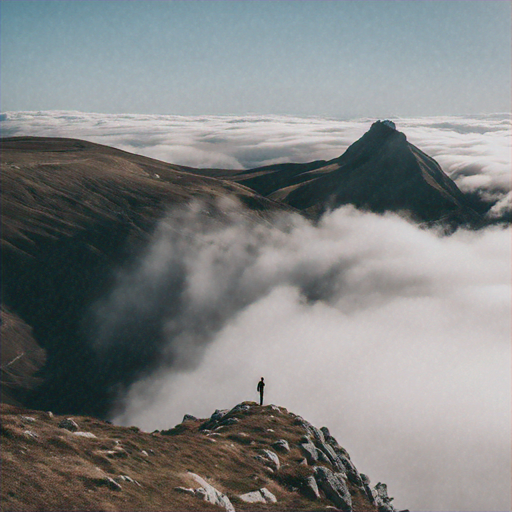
(334, 487)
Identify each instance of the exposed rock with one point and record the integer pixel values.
(188, 417)
(281, 446)
(145, 453)
(311, 430)
(228, 421)
(382, 500)
(269, 497)
(214, 420)
(260, 496)
(31, 433)
(208, 493)
(218, 414)
(240, 408)
(335, 488)
(85, 434)
(325, 432)
(311, 488)
(269, 458)
(110, 483)
(126, 478)
(185, 490)
(28, 419)
(310, 452)
(69, 424)
(366, 486)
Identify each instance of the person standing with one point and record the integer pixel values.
(260, 388)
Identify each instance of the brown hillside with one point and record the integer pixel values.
(103, 467)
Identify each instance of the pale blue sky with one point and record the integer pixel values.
(327, 58)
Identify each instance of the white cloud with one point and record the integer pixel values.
(395, 338)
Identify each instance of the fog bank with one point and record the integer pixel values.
(397, 339)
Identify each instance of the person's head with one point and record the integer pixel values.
(262, 378)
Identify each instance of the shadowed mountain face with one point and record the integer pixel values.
(380, 172)
(73, 212)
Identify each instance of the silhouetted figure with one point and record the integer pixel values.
(260, 388)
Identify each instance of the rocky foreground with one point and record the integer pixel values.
(249, 458)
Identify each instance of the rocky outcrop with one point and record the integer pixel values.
(69, 424)
(208, 493)
(260, 496)
(335, 488)
(281, 446)
(382, 500)
(269, 458)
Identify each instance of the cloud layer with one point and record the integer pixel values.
(475, 150)
(395, 338)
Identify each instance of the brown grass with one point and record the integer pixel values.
(58, 470)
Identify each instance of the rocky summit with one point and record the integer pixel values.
(248, 458)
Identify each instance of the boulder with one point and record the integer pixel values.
(208, 493)
(325, 432)
(218, 414)
(240, 408)
(269, 458)
(310, 488)
(269, 497)
(28, 419)
(335, 488)
(214, 420)
(260, 496)
(281, 446)
(311, 430)
(382, 500)
(188, 417)
(90, 435)
(69, 424)
(310, 452)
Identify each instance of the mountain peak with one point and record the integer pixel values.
(385, 130)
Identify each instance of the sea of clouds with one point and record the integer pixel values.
(394, 337)
(475, 151)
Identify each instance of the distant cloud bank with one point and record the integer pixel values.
(475, 151)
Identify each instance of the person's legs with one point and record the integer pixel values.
(261, 397)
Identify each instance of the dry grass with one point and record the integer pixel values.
(61, 471)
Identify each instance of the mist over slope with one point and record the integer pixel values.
(398, 338)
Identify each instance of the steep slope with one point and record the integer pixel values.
(71, 212)
(380, 172)
(249, 458)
